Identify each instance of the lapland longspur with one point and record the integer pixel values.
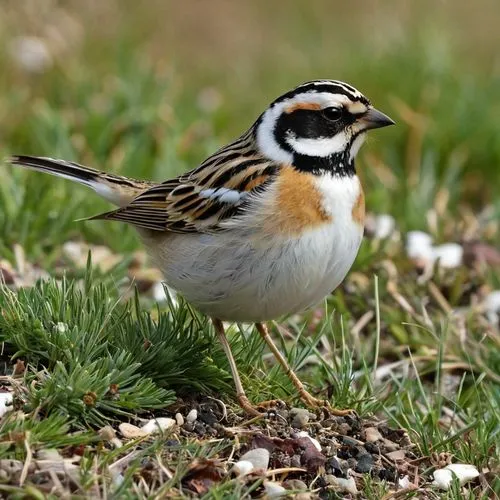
(267, 226)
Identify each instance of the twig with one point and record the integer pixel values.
(27, 462)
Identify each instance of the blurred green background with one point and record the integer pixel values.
(151, 88)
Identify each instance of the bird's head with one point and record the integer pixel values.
(318, 126)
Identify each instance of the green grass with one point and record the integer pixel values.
(124, 95)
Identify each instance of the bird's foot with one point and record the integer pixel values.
(259, 409)
(314, 402)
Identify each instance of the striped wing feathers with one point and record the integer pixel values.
(202, 198)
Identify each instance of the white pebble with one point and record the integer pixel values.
(30, 53)
(492, 307)
(179, 419)
(404, 482)
(372, 435)
(130, 431)
(274, 490)
(419, 246)
(444, 477)
(158, 425)
(448, 255)
(192, 416)
(384, 226)
(5, 402)
(242, 468)
(315, 442)
(345, 485)
(259, 457)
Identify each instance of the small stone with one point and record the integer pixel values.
(160, 424)
(335, 467)
(295, 461)
(372, 434)
(372, 448)
(404, 482)
(344, 428)
(107, 433)
(6, 399)
(329, 478)
(300, 417)
(303, 496)
(390, 445)
(179, 419)
(349, 441)
(274, 490)
(315, 442)
(242, 468)
(11, 466)
(295, 484)
(396, 455)
(384, 226)
(341, 484)
(130, 431)
(365, 464)
(49, 454)
(463, 472)
(192, 416)
(448, 255)
(259, 457)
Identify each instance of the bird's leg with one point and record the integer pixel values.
(306, 396)
(240, 392)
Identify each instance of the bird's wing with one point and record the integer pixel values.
(200, 200)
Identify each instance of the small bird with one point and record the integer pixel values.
(265, 227)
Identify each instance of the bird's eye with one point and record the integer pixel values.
(333, 114)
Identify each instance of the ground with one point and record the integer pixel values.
(410, 341)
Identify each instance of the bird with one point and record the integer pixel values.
(267, 226)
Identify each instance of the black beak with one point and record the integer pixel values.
(374, 118)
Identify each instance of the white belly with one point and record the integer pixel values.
(234, 278)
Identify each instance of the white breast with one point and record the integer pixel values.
(236, 278)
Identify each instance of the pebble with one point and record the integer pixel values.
(295, 461)
(372, 434)
(159, 424)
(344, 428)
(242, 468)
(295, 484)
(258, 457)
(396, 455)
(274, 490)
(179, 419)
(365, 464)
(390, 445)
(107, 433)
(384, 226)
(492, 307)
(449, 255)
(130, 431)
(49, 454)
(349, 441)
(419, 246)
(335, 466)
(342, 485)
(11, 466)
(192, 416)
(404, 482)
(300, 417)
(315, 442)
(443, 478)
(5, 402)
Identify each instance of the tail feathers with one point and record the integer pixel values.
(116, 189)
